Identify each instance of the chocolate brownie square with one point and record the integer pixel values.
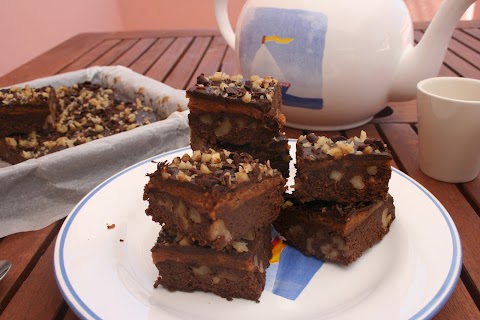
(332, 231)
(237, 271)
(226, 109)
(214, 197)
(342, 170)
(26, 109)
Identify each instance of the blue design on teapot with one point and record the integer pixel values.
(279, 51)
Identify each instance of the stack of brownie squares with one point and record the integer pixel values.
(216, 209)
(228, 112)
(340, 206)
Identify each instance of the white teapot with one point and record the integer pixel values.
(339, 61)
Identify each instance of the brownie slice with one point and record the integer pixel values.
(237, 271)
(226, 109)
(26, 109)
(214, 197)
(342, 170)
(335, 232)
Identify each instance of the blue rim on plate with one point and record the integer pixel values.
(427, 312)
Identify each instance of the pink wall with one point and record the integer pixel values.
(177, 15)
(29, 28)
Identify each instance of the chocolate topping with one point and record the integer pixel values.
(23, 95)
(215, 169)
(257, 91)
(313, 147)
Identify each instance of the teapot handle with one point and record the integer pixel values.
(221, 14)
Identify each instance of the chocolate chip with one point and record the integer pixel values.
(312, 137)
(232, 91)
(361, 146)
(338, 138)
(368, 141)
(248, 85)
(201, 79)
(378, 144)
(245, 158)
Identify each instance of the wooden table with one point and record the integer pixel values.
(29, 291)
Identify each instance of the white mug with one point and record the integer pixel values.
(449, 128)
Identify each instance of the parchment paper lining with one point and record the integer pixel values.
(38, 192)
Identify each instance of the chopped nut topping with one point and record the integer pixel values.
(25, 95)
(313, 146)
(247, 97)
(86, 112)
(209, 168)
(254, 90)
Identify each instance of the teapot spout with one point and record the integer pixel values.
(425, 59)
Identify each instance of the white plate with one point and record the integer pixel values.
(108, 273)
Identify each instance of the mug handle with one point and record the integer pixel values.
(223, 22)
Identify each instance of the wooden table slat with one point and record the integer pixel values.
(211, 60)
(54, 60)
(22, 249)
(163, 33)
(229, 63)
(455, 62)
(138, 49)
(472, 188)
(465, 52)
(70, 315)
(40, 281)
(292, 133)
(467, 39)
(184, 70)
(91, 55)
(445, 71)
(402, 112)
(143, 63)
(474, 32)
(167, 61)
(459, 306)
(114, 53)
(403, 140)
